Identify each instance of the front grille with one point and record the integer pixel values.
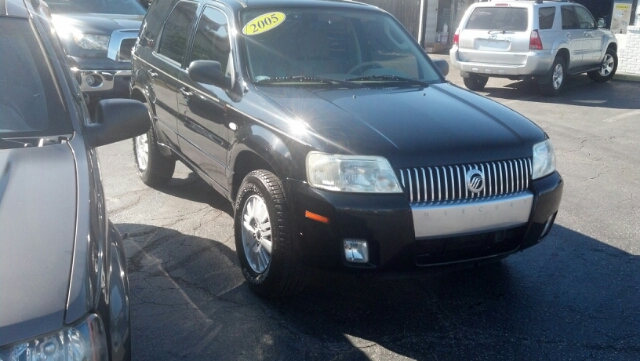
(124, 54)
(447, 183)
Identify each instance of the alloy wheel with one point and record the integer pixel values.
(142, 151)
(607, 65)
(558, 76)
(256, 233)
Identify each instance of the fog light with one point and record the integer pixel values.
(356, 250)
(93, 80)
(90, 80)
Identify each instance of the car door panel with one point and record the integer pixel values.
(203, 123)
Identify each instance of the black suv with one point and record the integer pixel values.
(337, 139)
(98, 36)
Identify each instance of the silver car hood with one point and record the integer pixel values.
(37, 231)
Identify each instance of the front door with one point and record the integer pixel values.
(203, 122)
(575, 37)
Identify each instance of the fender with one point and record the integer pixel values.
(270, 146)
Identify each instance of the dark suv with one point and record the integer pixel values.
(337, 139)
(98, 36)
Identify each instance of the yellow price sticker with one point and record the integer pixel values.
(263, 23)
(623, 6)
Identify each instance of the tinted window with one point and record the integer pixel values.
(584, 18)
(498, 18)
(545, 17)
(173, 42)
(131, 7)
(569, 20)
(30, 100)
(212, 38)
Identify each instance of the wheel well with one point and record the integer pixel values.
(247, 162)
(613, 47)
(564, 53)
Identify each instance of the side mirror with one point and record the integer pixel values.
(601, 23)
(116, 120)
(442, 65)
(208, 72)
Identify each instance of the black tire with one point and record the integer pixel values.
(284, 273)
(159, 169)
(553, 82)
(608, 67)
(475, 82)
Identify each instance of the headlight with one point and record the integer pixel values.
(91, 42)
(544, 159)
(84, 341)
(351, 173)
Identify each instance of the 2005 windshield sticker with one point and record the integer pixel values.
(263, 23)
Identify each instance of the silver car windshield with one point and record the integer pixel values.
(293, 46)
(30, 99)
(126, 7)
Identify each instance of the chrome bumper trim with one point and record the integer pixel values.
(107, 78)
(443, 220)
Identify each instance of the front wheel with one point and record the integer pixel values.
(475, 82)
(554, 81)
(607, 69)
(268, 255)
(154, 169)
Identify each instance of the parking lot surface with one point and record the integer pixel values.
(572, 297)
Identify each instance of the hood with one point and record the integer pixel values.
(98, 24)
(437, 125)
(37, 231)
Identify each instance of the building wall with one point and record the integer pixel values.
(629, 54)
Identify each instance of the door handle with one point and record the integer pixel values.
(186, 93)
(568, 35)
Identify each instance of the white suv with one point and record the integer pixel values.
(544, 40)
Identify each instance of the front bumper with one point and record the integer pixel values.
(103, 83)
(526, 64)
(386, 222)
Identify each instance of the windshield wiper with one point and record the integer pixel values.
(389, 78)
(302, 79)
(27, 142)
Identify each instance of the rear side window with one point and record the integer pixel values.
(545, 17)
(175, 35)
(498, 18)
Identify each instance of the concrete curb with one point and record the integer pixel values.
(626, 77)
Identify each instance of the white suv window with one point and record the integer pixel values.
(498, 18)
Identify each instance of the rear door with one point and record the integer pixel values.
(165, 70)
(495, 35)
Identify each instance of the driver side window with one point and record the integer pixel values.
(584, 18)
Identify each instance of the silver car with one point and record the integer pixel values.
(64, 293)
(544, 40)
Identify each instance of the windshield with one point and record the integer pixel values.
(30, 101)
(127, 7)
(318, 46)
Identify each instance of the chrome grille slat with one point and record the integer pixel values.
(448, 183)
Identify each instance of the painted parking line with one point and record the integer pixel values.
(622, 116)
